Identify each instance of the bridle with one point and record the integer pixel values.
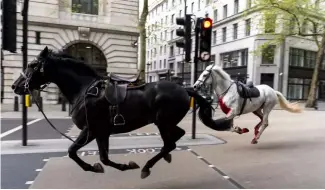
(26, 86)
(30, 75)
(209, 75)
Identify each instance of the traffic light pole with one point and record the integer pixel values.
(196, 59)
(24, 51)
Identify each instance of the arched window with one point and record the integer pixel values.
(85, 6)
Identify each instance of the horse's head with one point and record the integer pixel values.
(206, 77)
(34, 75)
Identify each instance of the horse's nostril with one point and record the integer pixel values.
(13, 87)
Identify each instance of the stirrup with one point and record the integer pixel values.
(121, 117)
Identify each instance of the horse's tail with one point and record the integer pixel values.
(205, 113)
(290, 107)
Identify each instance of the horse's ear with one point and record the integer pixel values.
(44, 52)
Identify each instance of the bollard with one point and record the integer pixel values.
(64, 107)
(27, 100)
(40, 103)
(69, 109)
(16, 104)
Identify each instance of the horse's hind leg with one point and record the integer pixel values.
(84, 138)
(265, 121)
(169, 137)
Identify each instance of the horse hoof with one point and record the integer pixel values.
(245, 130)
(145, 174)
(168, 158)
(254, 141)
(98, 168)
(133, 165)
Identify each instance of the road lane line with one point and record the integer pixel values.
(18, 128)
(29, 182)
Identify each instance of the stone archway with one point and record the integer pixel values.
(90, 54)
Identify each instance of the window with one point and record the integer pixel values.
(214, 39)
(225, 11)
(172, 19)
(268, 55)
(270, 23)
(164, 63)
(198, 4)
(160, 52)
(165, 34)
(302, 58)
(224, 34)
(192, 7)
(249, 4)
(236, 6)
(180, 13)
(298, 88)
(234, 58)
(235, 26)
(171, 34)
(165, 47)
(160, 64)
(171, 51)
(38, 37)
(248, 27)
(85, 6)
(215, 15)
(154, 65)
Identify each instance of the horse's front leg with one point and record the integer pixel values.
(103, 147)
(84, 138)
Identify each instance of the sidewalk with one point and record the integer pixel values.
(55, 110)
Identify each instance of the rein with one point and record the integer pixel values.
(26, 85)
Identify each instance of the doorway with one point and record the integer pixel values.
(268, 79)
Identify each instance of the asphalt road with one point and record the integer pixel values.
(17, 169)
(7, 124)
(38, 130)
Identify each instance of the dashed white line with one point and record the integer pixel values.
(226, 177)
(29, 182)
(38, 170)
(211, 166)
(83, 153)
(199, 157)
(45, 160)
(18, 128)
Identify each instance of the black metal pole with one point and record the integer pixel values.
(198, 23)
(24, 51)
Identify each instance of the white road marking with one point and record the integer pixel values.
(226, 177)
(199, 157)
(38, 170)
(83, 153)
(211, 166)
(17, 128)
(45, 160)
(29, 182)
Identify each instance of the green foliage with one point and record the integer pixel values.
(283, 18)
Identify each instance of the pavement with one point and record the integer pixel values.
(289, 155)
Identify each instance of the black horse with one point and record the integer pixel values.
(103, 106)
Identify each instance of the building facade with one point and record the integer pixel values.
(235, 37)
(101, 32)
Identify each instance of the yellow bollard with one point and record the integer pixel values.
(192, 102)
(27, 100)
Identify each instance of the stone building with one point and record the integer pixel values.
(101, 32)
(235, 36)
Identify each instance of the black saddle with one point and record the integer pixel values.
(247, 91)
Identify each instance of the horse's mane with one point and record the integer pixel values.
(221, 72)
(72, 61)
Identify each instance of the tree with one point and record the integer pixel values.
(283, 18)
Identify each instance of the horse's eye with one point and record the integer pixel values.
(35, 68)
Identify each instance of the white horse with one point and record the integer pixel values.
(233, 103)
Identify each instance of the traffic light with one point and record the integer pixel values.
(186, 42)
(9, 25)
(205, 39)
